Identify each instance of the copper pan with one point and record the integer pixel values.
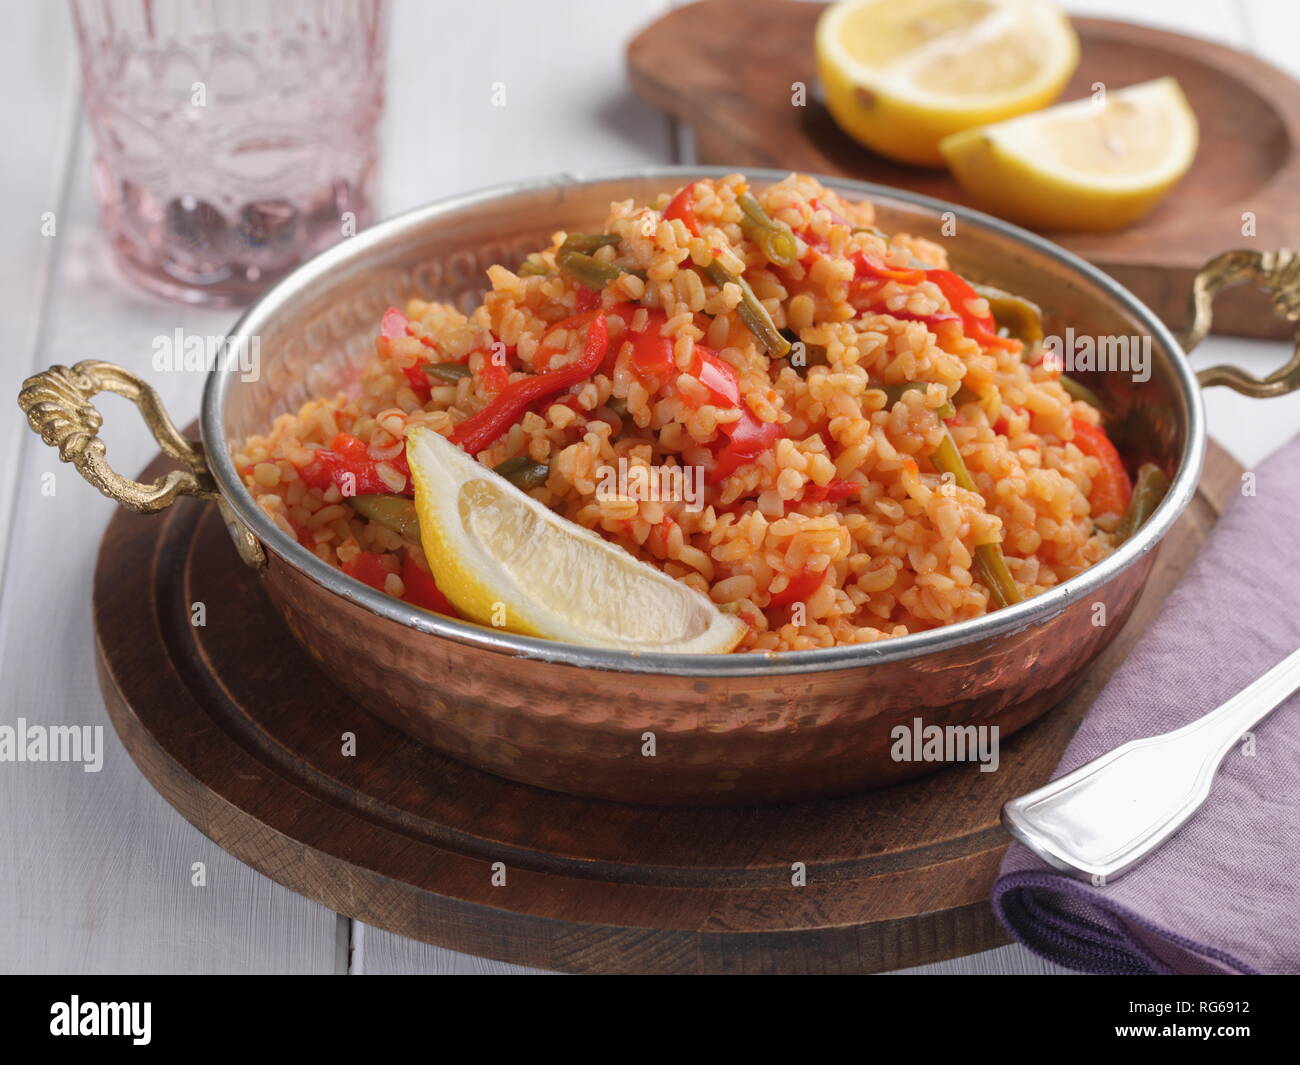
(725, 729)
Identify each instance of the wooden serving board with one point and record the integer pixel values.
(726, 68)
(236, 728)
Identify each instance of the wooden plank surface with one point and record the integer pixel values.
(536, 89)
(96, 870)
(38, 125)
(96, 867)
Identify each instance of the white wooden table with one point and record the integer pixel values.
(95, 869)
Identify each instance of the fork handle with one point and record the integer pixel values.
(1105, 817)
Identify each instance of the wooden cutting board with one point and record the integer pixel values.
(236, 728)
(726, 67)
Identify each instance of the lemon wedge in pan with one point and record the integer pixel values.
(1091, 164)
(899, 77)
(505, 560)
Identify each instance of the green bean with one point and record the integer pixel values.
(751, 311)
(588, 271)
(532, 268)
(990, 562)
(589, 242)
(773, 238)
(523, 472)
(1148, 490)
(947, 459)
(1075, 390)
(447, 372)
(392, 512)
(1022, 318)
(895, 392)
(811, 354)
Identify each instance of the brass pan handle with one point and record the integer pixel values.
(58, 406)
(1276, 272)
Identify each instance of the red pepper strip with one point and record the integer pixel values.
(839, 220)
(368, 569)
(653, 357)
(931, 320)
(1003, 428)
(348, 455)
(625, 311)
(652, 354)
(815, 241)
(831, 492)
(489, 424)
(681, 207)
(749, 439)
(866, 267)
(316, 474)
(801, 586)
(586, 299)
(419, 381)
(1111, 488)
(546, 352)
(817, 245)
(980, 328)
(395, 324)
(423, 591)
(494, 375)
(717, 376)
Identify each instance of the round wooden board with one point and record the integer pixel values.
(726, 68)
(236, 728)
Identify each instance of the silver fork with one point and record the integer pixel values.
(1109, 815)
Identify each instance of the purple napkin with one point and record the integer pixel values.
(1223, 895)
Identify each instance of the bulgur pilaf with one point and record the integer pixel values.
(834, 385)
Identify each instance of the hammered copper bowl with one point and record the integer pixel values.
(725, 728)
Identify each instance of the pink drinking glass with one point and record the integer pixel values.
(233, 139)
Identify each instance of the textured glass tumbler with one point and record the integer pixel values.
(233, 139)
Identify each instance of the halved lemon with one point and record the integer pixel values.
(503, 559)
(899, 77)
(1090, 164)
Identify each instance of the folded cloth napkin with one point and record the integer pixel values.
(1222, 895)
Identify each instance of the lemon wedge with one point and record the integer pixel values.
(899, 77)
(504, 559)
(1090, 164)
